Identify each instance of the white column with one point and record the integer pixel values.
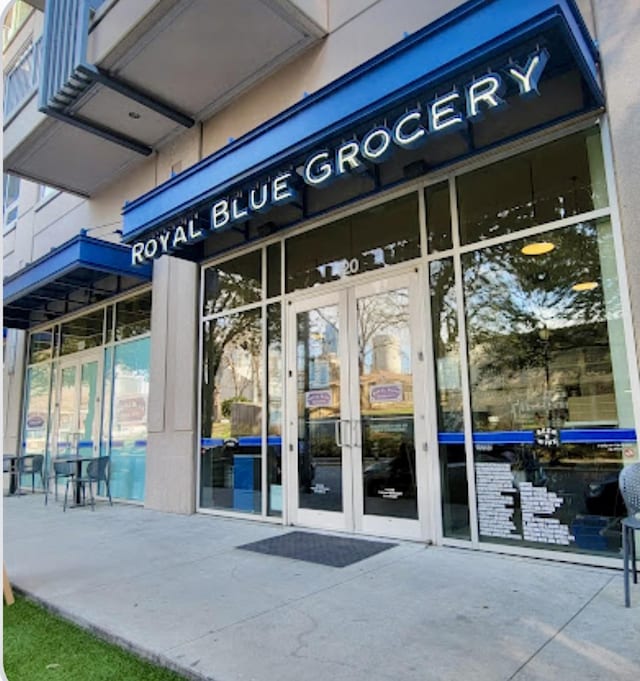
(170, 483)
(12, 390)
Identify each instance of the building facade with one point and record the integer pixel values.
(365, 266)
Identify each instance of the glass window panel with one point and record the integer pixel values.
(133, 316)
(552, 182)
(552, 414)
(128, 437)
(67, 431)
(36, 418)
(231, 469)
(273, 270)
(381, 236)
(40, 346)
(438, 212)
(275, 381)
(82, 333)
(233, 283)
(11, 194)
(446, 346)
(45, 191)
(318, 391)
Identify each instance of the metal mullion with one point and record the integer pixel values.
(263, 380)
(422, 221)
(233, 310)
(284, 411)
(464, 366)
(199, 393)
(435, 522)
(265, 401)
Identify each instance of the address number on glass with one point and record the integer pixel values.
(350, 267)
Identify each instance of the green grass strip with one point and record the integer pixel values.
(39, 645)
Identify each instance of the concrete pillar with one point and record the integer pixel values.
(170, 483)
(12, 390)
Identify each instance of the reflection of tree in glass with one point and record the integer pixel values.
(444, 309)
(385, 314)
(522, 311)
(240, 331)
(228, 290)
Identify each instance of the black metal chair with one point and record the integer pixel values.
(32, 464)
(97, 472)
(61, 469)
(629, 482)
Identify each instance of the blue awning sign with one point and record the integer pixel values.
(484, 74)
(444, 114)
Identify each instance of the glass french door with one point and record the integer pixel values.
(78, 406)
(356, 366)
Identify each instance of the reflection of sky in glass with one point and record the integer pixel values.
(507, 291)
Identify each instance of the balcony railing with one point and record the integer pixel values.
(22, 80)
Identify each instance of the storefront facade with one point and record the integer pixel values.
(398, 308)
(445, 360)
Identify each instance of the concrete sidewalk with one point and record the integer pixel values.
(177, 590)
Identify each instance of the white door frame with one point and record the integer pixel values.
(352, 518)
(78, 360)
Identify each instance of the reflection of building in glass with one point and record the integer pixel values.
(386, 354)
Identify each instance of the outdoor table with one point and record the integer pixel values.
(13, 471)
(78, 460)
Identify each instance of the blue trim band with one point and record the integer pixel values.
(596, 435)
(244, 441)
(567, 436)
(424, 59)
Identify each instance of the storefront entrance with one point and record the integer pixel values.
(78, 415)
(355, 375)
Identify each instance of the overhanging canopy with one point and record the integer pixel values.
(460, 44)
(80, 272)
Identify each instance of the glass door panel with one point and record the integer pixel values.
(354, 426)
(318, 401)
(78, 407)
(88, 405)
(67, 411)
(386, 424)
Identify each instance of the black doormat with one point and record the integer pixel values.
(318, 548)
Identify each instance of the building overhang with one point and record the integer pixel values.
(109, 88)
(80, 272)
(457, 49)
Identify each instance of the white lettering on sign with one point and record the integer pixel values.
(444, 114)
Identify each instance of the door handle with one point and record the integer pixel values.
(339, 432)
